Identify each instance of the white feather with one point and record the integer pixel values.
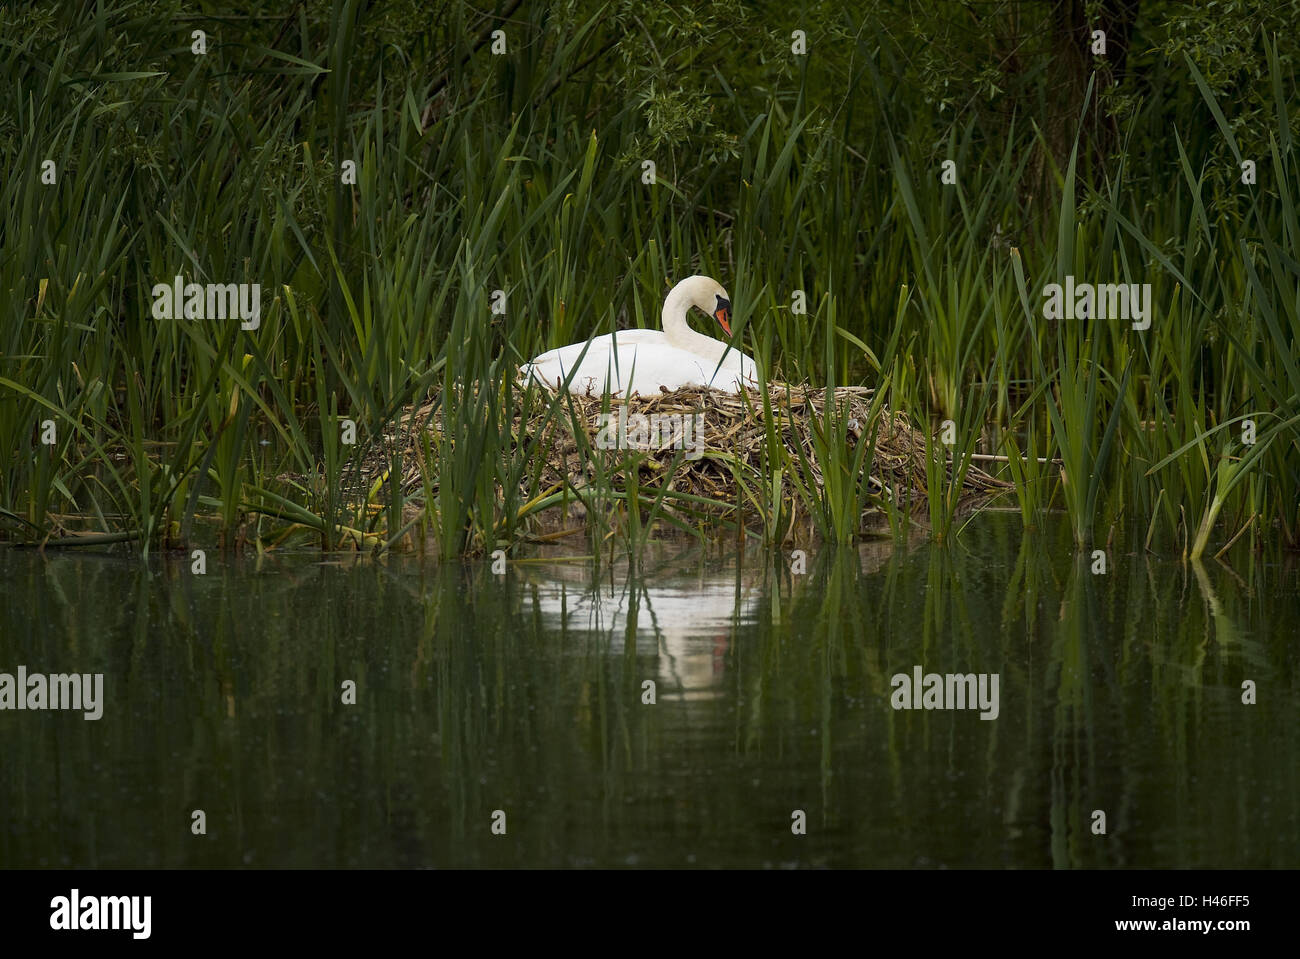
(648, 361)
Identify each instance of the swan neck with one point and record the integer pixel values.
(679, 332)
(673, 320)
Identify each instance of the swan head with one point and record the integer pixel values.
(706, 293)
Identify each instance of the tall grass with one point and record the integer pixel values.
(523, 174)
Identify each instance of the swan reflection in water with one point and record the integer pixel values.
(685, 624)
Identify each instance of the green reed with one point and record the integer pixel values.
(849, 260)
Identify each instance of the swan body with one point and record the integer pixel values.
(649, 361)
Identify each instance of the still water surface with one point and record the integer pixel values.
(525, 693)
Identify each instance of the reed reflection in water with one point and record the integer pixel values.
(526, 693)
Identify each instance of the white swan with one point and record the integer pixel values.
(644, 361)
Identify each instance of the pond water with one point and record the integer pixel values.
(520, 700)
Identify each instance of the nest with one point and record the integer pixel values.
(713, 447)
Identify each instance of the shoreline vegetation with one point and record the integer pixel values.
(418, 214)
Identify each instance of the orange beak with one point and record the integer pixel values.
(723, 317)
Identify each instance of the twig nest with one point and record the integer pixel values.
(723, 449)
